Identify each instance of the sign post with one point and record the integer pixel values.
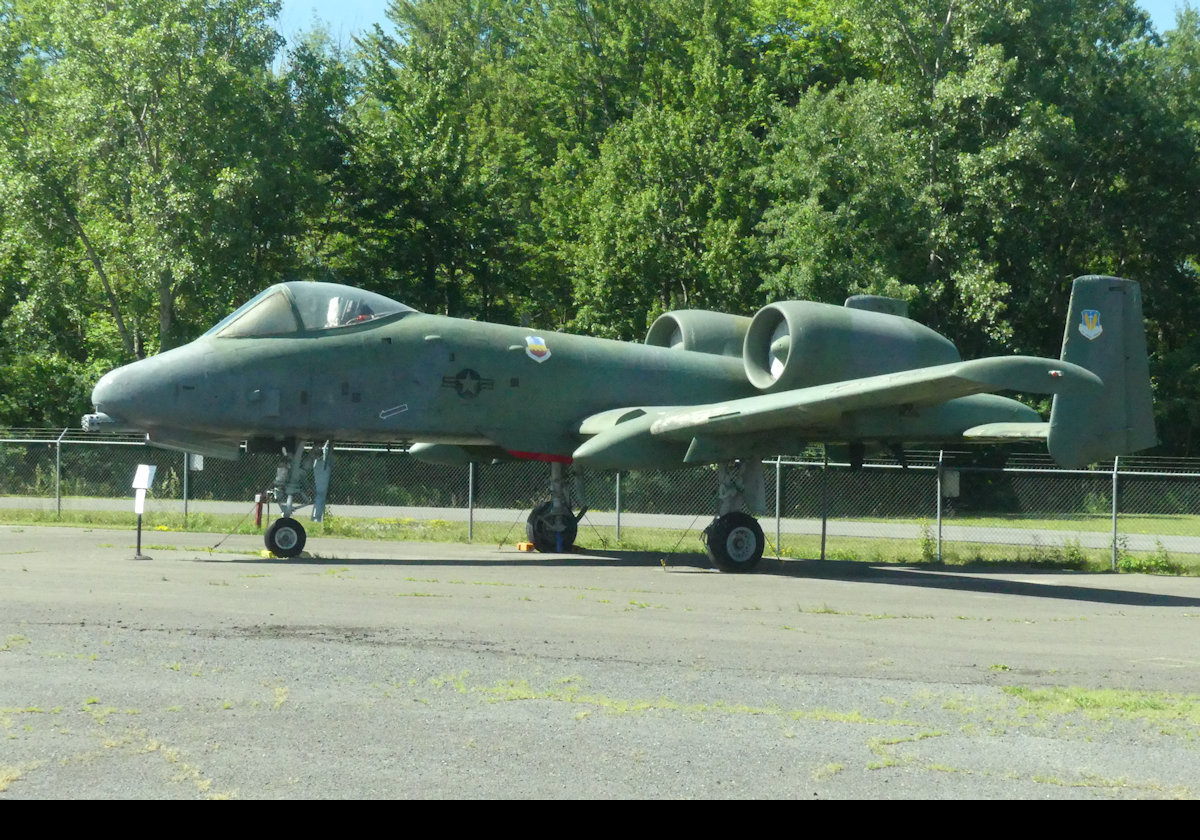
(143, 478)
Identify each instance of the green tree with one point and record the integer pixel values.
(147, 169)
(668, 217)
(1013, 148)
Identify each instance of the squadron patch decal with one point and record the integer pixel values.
(1089, 325)
(536, 349)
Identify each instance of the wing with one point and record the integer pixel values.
(672, 435)
(820, 404)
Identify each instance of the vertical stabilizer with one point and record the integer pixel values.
(1105, 334)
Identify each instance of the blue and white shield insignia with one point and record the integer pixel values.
(1090, 327)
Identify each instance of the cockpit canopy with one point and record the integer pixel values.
(289, 308)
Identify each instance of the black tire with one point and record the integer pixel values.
(735, 542)
(285, 537)
(542, 529)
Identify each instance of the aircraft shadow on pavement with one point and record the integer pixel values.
(678, 561)
(980, 580)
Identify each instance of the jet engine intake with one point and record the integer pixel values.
(795, 344)
(716, 333)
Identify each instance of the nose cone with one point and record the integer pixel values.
(143, 394)
(107, 395)
(116, 403)
(131, 393)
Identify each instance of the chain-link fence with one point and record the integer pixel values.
(952, 506)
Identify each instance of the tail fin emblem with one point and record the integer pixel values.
(1090, 327)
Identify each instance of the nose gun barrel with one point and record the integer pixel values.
(101, 422)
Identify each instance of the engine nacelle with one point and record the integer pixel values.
(716, 333)
(795, 344)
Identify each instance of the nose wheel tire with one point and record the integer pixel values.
(543, 528)
(735, 542)
(285, 537)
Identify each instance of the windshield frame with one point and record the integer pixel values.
(315, 308)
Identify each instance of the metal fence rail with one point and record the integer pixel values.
(939, 505)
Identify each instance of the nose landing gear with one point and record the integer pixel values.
(286, 537)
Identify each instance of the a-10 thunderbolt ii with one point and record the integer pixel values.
(304, 363)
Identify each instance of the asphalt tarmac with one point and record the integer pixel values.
(388, 670)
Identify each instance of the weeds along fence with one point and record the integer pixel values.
(952, 506)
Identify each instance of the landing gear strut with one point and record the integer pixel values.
(734, 539)
(551, 526)
(286, 537)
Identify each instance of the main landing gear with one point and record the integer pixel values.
(551, 526)
(734, 539)
(286, 537)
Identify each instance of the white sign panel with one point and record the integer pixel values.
(144, 477)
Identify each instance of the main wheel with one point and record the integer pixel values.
(543, 528)
(735, 542)
(285, 537)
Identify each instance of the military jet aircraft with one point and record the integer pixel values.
(304, 363)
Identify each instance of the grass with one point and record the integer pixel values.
(1151, 706)
(1067, 555)
(1169, 523)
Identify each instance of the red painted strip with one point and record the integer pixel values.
(540, 456)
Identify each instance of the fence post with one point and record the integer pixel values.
(824, 496)
(1116, 460)
(58, 475)
(470, 501)
(618, 507)
(778, 485)
(941, 456)
(187, 468)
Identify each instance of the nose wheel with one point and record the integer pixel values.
(285, 537)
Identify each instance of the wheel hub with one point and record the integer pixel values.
(740, 544)
(285, 538)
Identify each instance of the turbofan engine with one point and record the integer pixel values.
(795, 344)
(700, 330)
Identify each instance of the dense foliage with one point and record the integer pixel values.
(589, 165)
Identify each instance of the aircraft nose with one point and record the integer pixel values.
(108, 393)
(130, 393)
(145, 393)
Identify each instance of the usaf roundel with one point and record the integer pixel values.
(536, 349)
